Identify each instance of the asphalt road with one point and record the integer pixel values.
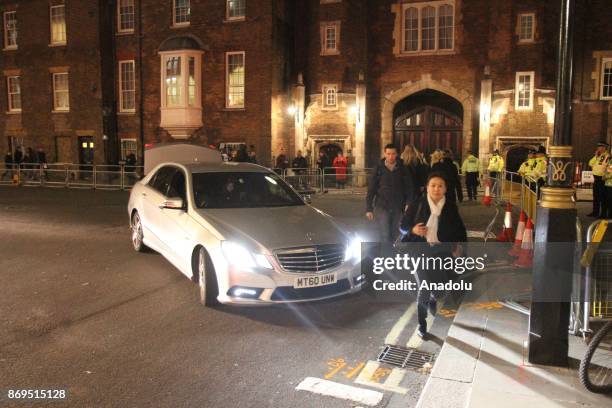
(81, 311)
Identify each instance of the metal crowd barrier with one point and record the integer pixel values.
(327, 180)
(521, 192)
(113, 177)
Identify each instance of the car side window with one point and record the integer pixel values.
(161, 180)
(177, 186)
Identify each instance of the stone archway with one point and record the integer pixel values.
(390, 99)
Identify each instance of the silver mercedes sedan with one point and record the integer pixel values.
(242, 234)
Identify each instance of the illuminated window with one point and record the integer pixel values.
(524, 91)
(330, 38)
(61, 97)
(526, 27)
(173, 82)
(14, 93)
(58, 25)
(428, 27)
(10, 30)
(182, 12)
(411, 29)
(445, 27)
(127, 86)
(191, 86)
(235, 9)
(330, 96)
(235, 79)
(126, 16)
(606, 78)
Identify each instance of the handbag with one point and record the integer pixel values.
(410, 237)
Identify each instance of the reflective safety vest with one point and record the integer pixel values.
(598, 163)
(496, 163)
(608, 175)
(539, 170)
(527, 167)
(471, 165)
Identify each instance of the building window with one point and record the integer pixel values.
(10, 30)
(174, 82)
(330, 38)
(606, 78)
(330, 96)
(61, 99)
(235, 9)
(126, 16)
(191, 82)
(127, 86)
(128, 146)
(14, 93)
(524, 91)
(235, 80)
(58, 25)
(181, 12)
(526, 27)
(428, 27)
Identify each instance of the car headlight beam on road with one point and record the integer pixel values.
(241, 257)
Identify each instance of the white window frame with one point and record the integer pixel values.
(124, 150)
(8, 46)
(227, 79)
(601, 80)
(55, 42)
(519, 28)
(182, 23)
(234, 18)
(10, 94)
(55, 91)
(325, 25)
(324, 97)
(123, 109)
(531, 74)
(419, 7)
(119, 15)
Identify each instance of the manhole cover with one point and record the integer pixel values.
(404, 357)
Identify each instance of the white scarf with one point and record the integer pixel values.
(432, 222)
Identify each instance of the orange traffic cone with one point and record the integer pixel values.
(518, 238)
(507, 232)
(525, 256)
(486, 200)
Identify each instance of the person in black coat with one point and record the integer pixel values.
(390, 190)
(434, 222)
(448, 168)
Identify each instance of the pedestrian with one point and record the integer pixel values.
(540, 169)
(28, 163)
(422, 172)
(282, 163)
(444, 165)
(433, 220)
(299, 166)
(322, 163)
(472, 170)
(525, 168)
(18, 156)
(608, 183)
(390, 192)
(340, 164)
(598, 165)
(241, 154)
(41, 159)
(414, 165)
(496, 164)
(252, 155)
(8, 165)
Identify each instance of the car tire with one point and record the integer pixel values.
(208, 289)
(137, 233)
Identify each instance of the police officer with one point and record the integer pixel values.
(598, 164)
(525, 169)
(496, 164)
(472, 170)
(539, 169)
(608, 183)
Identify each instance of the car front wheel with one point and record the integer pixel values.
(137, 234)
(207, 280)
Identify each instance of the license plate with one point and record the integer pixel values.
(314, 281)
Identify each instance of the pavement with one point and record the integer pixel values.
(81, 311)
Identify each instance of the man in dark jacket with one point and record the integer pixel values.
(8, 165)
(299, 164)
(390, 191)
(448, 168)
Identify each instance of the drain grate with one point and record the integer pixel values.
(404, 357)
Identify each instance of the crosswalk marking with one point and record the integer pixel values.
(341, 391)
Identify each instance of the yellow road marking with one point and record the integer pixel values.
(354, 371)
(335, 364)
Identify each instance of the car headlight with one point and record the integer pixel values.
(353, 249)
(241, 257)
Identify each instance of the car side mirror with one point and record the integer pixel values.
(173, 203)
(307, 198)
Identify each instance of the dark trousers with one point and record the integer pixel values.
(425, 298)
(599, 198)
(388, 222)
(471, 182)
(608, 203)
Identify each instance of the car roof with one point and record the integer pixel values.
(223, 167)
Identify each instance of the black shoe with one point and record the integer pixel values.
(421, 333)
(433, 307)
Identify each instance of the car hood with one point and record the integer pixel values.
(275, 227)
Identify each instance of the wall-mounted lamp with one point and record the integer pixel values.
(291, 110)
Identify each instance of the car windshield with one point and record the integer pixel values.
(242, 190)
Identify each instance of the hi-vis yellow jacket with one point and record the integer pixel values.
(608, 175)
(471, 165)
(527, 167)
(598, 163)
(496, 163)
(539, 170)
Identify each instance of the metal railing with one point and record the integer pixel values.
(521, 192)
(327, 180)
(100, 176)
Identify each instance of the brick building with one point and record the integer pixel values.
(92, 80)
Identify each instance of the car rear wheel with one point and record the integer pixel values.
(137, 234)
(207, 280)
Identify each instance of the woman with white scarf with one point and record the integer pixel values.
(433, 220)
